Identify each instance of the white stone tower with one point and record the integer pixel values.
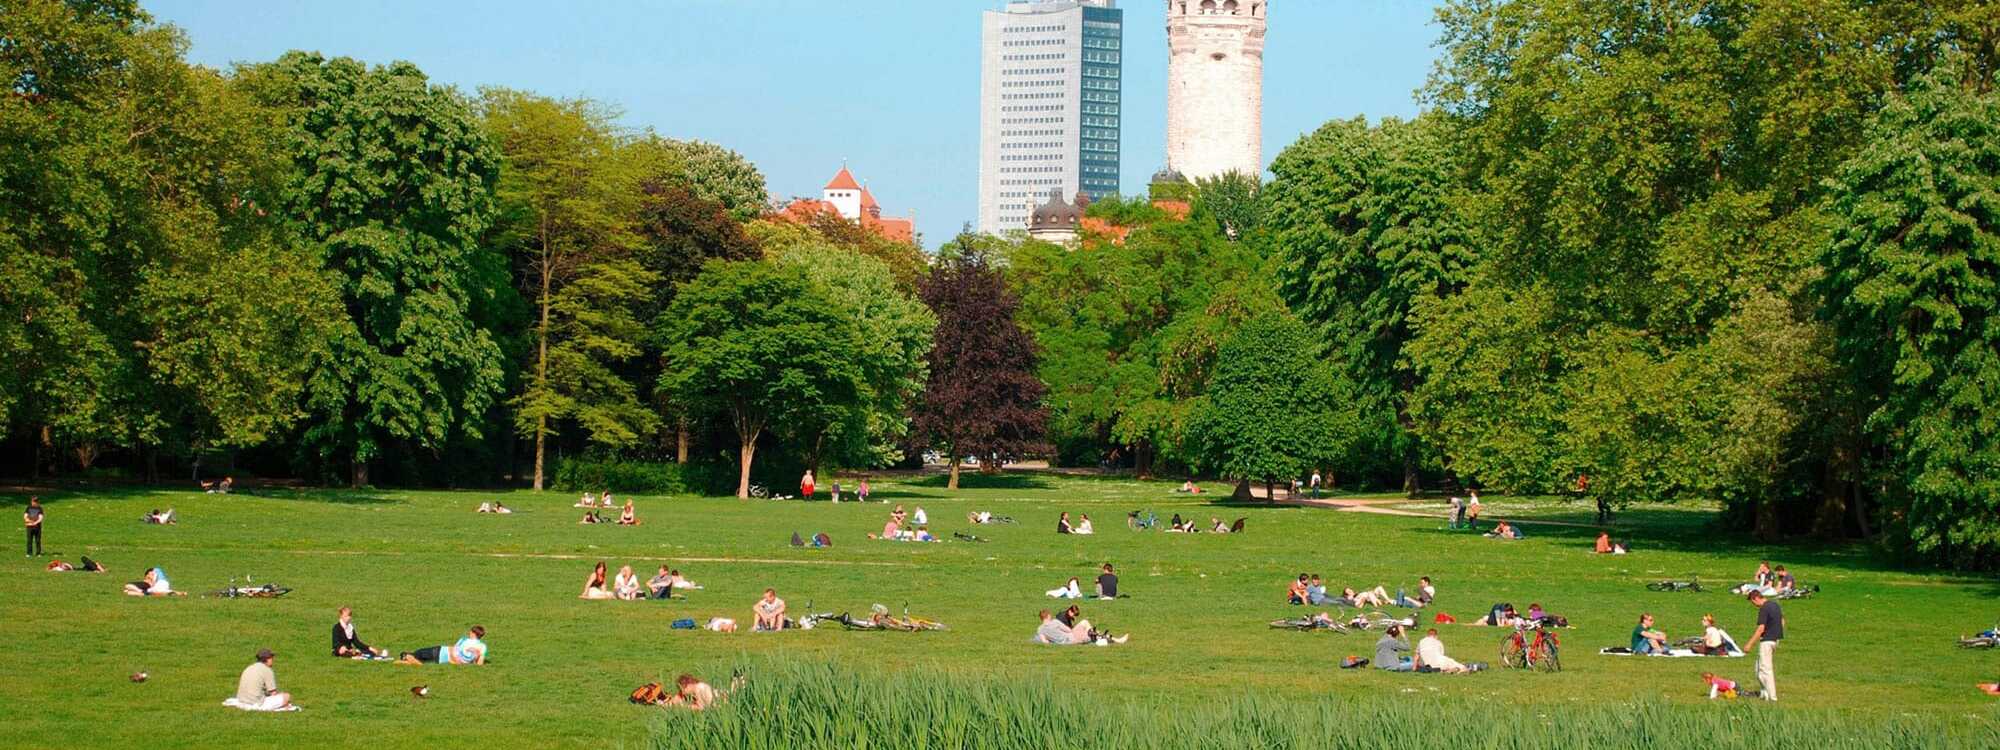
(1215, 87)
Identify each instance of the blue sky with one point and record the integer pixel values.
(798, 85)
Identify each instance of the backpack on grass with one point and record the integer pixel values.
(649, 693)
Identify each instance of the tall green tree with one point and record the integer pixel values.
(394, 179)
(892, 333)
(679, 232)
(711, 172)
(1273, 409)
(1913, 287)
(758, 345)
(1366, 224)
(566, 201)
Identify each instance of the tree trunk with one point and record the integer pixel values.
(360, 476)
(152, 464)
(1242, 494)
(1270, 491)
(86, 454)
(1860, 513)
(1830, 522)
(745, 455)
(681, 440)
(542, 367)
(1412, 484)
(1144, 459)
(1767, 519)
(952, 484)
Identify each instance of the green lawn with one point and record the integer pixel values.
(419, 567)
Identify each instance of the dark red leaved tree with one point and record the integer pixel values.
(983, 398)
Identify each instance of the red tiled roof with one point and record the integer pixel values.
(843, 181)
(900, 230)
(867, 199)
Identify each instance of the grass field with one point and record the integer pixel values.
(419, 567)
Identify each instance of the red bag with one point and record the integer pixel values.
(1444, 619)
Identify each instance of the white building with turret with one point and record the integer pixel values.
(1215, 87)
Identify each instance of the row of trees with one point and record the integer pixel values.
(335, 267)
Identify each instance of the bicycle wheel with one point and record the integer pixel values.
(1659, 586)
(1512, 655)
(1549, 660)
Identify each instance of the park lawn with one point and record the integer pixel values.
(420, 567)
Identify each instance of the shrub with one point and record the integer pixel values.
(599, 473)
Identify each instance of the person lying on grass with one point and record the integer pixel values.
(594, 586)
(1504, 531)
(628, 517)
(587, 501)
(693, 695)
(590, 517)
(153, 584)
(1390, 650)
(346, 644)
(1055, 632)
(1216, 525)
(1646, 639)
(468, 650)
(982, 518)
(1501, 615)
(157, 517)
(1375, 597)
(769, 613)
(1178, 526)
(626, 585)
(1069, 590)
(1431, 656)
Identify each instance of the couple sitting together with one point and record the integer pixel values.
(153, 584)
(1648, 640)
(1063, 526)
(1504, 616)
(1068, 628)
(1430, 655)
(1105, 588)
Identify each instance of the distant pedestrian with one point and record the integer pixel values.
(1457, 511)
(32, 521)
(806, 485)
(1315, 484)
(862, 491)
(1764, 641)
(836, 491)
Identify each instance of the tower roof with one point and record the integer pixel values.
(843, 181)
(867, 198)
(1056, 214)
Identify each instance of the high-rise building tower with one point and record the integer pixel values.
(1048, 105)
(1215, 87)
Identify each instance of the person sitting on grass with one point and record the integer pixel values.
(1504, 531)
(1390, 650)
(1295, 593)
(1069, 590)
(1603, 543)
(769, 613)
(594, 586)
(1714, 640)
(154, 583)
(1178, 526)
(1190, 487)
(898, 515)
(468, 650)
(1782, 580)
(628, 517)
(1216, 525)
(1763, 576)
(889, 531)
(1425, 593)
(348, 645)
(1645, 639)
(1107, 583)
(661, 584)
(1431, 656)
(626, 585)
(257, 688)
(1083, 525)
(1078, 631)
(1062, 524)
(587, 501)
(1316, 592)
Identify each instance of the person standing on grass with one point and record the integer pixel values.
(1315, 484)
(861, 492)
(257, 689)
(806, 485)
(1764, 641)
(32, 521)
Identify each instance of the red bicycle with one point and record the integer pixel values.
(1531, 647)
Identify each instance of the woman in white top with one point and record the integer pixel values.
(1083, 525)
(627, 584)
(920, 518)
(1715, 641)
(1430, 653)
(1069, 590)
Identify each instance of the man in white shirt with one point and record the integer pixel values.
(1430, 653)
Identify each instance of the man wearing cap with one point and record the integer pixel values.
(258, 688)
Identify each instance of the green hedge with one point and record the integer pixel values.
(598, 473)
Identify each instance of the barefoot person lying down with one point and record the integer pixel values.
(468, 650)
(1055, 632)
(154, 584)
(1430, 655)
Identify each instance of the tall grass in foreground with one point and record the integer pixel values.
(823, 705)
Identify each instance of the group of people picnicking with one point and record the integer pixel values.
(627, 586)
(1429, 656)
(1309, 589)
(627, 515)
(903, 527)
(257, 687)
(1178, 525)
(1104, 587)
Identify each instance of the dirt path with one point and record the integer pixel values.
(1378, 506)
(528, 556)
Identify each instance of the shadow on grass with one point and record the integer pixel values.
(977, 481)
(18, 496)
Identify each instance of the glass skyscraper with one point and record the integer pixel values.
(1050, 108)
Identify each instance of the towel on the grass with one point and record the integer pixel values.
(241, 706)
(1670, 654)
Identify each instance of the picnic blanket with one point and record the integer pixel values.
(1676, 653)
(241, 706)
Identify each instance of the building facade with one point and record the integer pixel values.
(1215, 87)
(1049, 105)
(847, 198)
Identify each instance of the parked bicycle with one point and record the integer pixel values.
(248, 591)
(1308, 623)
(1532, 647)
(1673, 585)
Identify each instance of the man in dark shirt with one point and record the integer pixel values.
(1770, 630)
(1107, 584)
(32, 520)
